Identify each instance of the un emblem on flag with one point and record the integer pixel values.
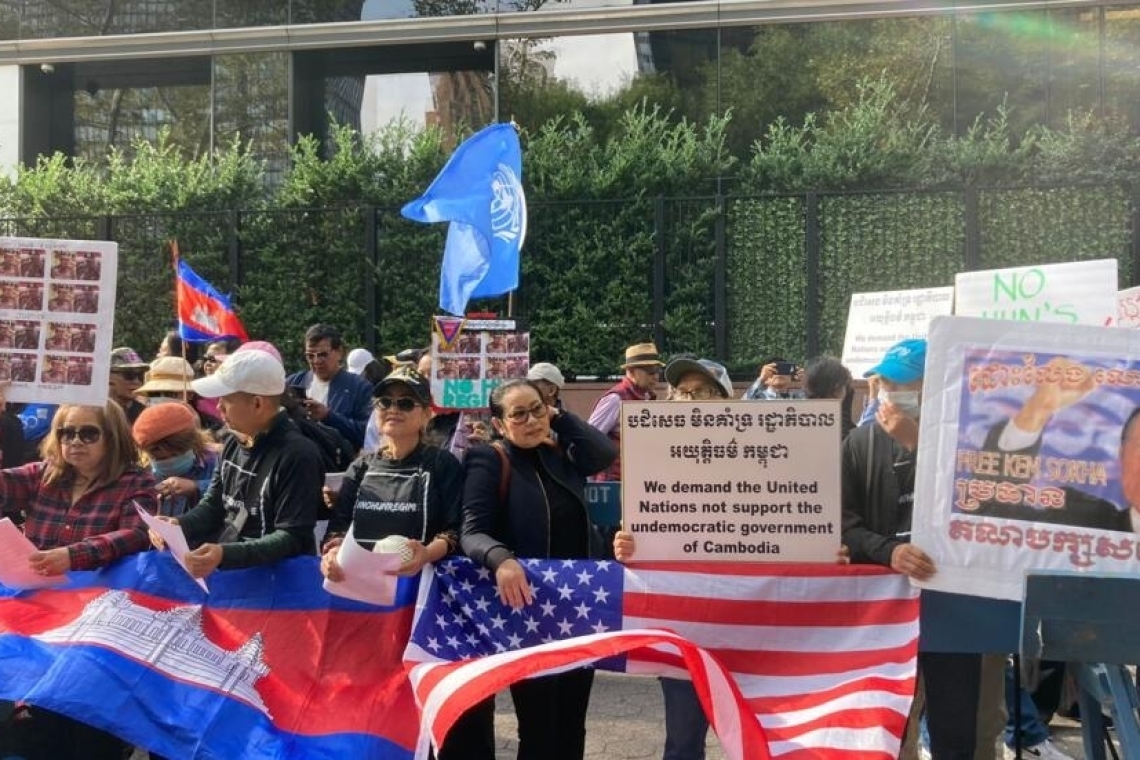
(508, 205)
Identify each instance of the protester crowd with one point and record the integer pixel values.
(224, 443)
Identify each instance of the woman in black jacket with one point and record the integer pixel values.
(527, 499)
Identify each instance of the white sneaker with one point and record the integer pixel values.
(1046, 750)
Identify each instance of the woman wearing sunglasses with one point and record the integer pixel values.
(407, 488)
(78, 510)
(537, 509)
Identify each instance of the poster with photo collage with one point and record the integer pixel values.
(470, 358)
(57, 316)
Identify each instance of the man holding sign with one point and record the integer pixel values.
(878, 496)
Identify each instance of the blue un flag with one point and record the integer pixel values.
(480, 192)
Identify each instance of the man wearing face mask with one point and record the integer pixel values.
(878, 467)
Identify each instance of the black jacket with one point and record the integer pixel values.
(878, 493)
(494, 531)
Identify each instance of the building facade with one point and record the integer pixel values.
(89, 75)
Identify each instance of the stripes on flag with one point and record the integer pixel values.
(823, 655)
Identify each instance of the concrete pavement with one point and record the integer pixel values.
(625, 722)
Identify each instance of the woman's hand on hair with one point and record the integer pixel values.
(155, 539)
(624, 546)
(514, 588)
(418, 560)
(50, 562)
(330, 568)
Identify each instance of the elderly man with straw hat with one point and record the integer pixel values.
(642, 367)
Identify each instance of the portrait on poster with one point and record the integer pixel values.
(32, 262)
(470, 358)
(1042, 468)
(57, 301)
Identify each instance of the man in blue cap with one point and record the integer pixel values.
(878, 468)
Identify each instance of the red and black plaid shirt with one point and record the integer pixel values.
(98, 529)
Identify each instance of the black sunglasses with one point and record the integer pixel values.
(86, 433)
(215, 358)
(403, 403)
(130, 374)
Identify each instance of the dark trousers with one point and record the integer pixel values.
(551, 711)
(47, 735)
(472, 737)
(685, 723)
(953, 683)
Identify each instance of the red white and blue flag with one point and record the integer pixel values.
(204, 313)
(820, 657)
(268, 665)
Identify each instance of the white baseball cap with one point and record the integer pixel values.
(548, 372)
(358, 359)
(255, 372)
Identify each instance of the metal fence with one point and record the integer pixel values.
(734, 277)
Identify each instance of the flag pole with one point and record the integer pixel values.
(177, 310)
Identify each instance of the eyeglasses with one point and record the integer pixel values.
(317, 355)
(215, 358)
(650, 370)
(86, 434)
(130, 375)
(519, 416)
(700, 393)
(403, 403)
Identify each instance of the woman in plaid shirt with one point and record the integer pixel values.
(77, 503)
(78, 509)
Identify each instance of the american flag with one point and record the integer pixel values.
(822, 655)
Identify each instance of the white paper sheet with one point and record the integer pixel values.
(15, 572)
(333, 480)
(175, 541)
(367, 577)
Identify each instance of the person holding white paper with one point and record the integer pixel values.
(407, 488)
(78, 510)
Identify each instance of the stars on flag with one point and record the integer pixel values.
(468, 620)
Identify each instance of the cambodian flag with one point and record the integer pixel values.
(269, 665)
(204, 313)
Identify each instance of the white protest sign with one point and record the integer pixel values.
(1128, 308)
(732, 480)
(877, 321)
(1078, 293)
(1028, 453)
(57, 316)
